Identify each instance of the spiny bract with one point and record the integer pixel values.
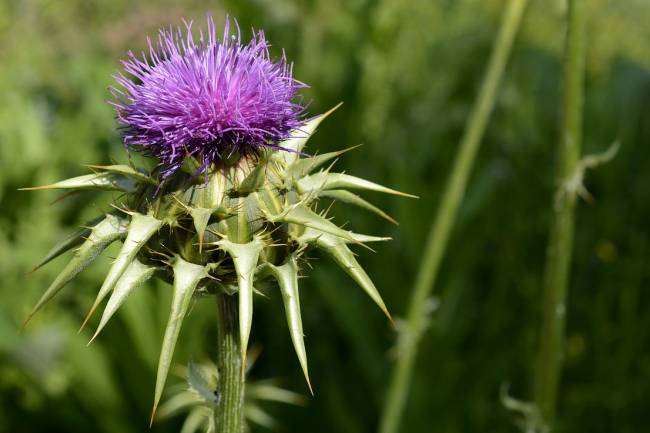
(243, 224)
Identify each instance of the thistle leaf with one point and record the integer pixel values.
(299, 214)
(340, 252)
(326, 181)
(186, 278)
(304, 166)
(106, 181)
(101, 236)
(200, 216)
(267, 391)
(310, 235)
(126, 170)
(176, 404)
(351, 198)
(359, 238)
(134, 276)
(245, 257)
(197, 420)
(296, 143)
(254, 180)
(200, 384)
(287, 277)
(141, 228)
(258, 416)
(74, 240)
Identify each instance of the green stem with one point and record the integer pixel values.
(229, 415)
(549, 359)
(443, 223)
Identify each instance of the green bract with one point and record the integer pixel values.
(245, 224)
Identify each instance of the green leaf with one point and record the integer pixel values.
(258, 416)
(310, 235)
(97, 181)
(186, 278)
(351, 198)
(101, 236)
(177, 403)
(245, 257)
(134, 276)
(126, 170)
(254, 180)
(299, 214)
(267, 391)
(342, 255)
(197, 420)
(141, 228)
(71, 241)
(362, 239)
(287, 277)
(326, 181)
(200, 216)
(200, 384)
(304, 166)
(299, 138)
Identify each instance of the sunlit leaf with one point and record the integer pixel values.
(71, 241)
(302, 215)
(327, 181)
(141, 228)
(97, 181)
(135, 275)
(186, 278)
(245, 258)
(340, 252)
(304, 166)
(101, 236)
(287, 277)
(296, 143)
(341, 195)
(126, 170)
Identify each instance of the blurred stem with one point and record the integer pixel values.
(550, 355)
(229, 415)
(439, 234)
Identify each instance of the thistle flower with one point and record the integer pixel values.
(209, 99)
(224, 110)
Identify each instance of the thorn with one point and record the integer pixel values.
(311, 390)
(26, 321)
(94, 336)
(35, 188)
(243, 364)
(390, 318)
(90, 313)
(153, 414)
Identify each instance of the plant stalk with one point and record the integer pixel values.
(551, 346)
(436, 243)
(229, 414)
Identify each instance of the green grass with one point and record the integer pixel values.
(408, 73)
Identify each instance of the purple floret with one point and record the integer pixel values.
(208, 99)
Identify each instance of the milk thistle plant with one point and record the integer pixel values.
(229, 207)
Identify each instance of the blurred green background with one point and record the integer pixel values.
(407, 72)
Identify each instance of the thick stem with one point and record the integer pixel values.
(551, 346)
(229, 415)
(443, 223)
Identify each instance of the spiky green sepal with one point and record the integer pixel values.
(248, 222)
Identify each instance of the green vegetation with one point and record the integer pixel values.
(408, 72)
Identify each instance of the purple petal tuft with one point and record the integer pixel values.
(207, 99)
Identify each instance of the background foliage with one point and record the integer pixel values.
(407, 71)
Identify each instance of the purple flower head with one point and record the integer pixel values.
(208, 99)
